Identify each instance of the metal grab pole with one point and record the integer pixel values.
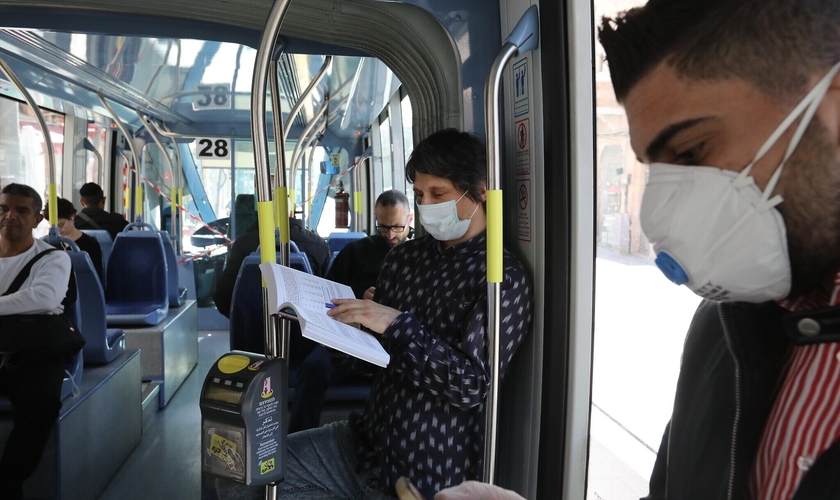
(52, 189)
(130, 142)
(523, 38)
(315, 81)
(172, 192)
(305, 136)
(265, 210)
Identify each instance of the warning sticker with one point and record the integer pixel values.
(267, 466)
(521, 97)
(225, 451)
(523, 210)
(523, 146)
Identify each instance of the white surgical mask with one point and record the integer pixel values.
(714, 231)
(441, 220)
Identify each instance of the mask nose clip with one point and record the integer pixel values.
(671, 269)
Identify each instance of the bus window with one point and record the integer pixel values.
(641, 318)
(408, 138)
(387, 157)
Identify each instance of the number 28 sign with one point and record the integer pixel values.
(206, 147)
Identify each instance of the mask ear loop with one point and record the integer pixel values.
(810, 102)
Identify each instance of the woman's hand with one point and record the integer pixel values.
(374, 316)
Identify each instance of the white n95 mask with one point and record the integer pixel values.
(441, 220)
(714, 231)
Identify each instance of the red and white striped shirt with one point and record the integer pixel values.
(805, 419)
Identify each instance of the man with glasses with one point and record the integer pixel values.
(357, 266)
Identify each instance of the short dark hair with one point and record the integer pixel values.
(450, 154)
(91, 193)
(392, 198)
(65, 208)
(775, 45)
(26, 191)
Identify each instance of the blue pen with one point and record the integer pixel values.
(329, 305)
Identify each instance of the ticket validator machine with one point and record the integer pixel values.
(243, 418)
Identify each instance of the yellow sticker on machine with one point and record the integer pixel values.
(222, 449)
(267, 466)
(233, 363)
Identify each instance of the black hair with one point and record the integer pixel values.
(65, 209)
(775, 45)
(450, 154)
(392, 198)
(26, 191)
(91, 193)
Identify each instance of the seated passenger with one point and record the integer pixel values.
(307, 241)
(357, 266)
(93, 214)
(32, 384)
(426, 413)
(67, 228)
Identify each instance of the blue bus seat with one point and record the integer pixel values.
(105, 243)
(332, 259)
(102, 344)
(337, 241)
(299, 261)
(177, 294)
(137, 292)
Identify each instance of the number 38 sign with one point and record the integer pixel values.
(212, 148)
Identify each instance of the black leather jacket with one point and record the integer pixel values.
(728, 381)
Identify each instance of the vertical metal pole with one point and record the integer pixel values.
(173, 193)
(130, 142)
(265, 211)
(495, 265)
(283, 327)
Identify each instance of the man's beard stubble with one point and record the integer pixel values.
(810, 186)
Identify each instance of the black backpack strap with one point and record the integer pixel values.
(89, 220)
(24, 273)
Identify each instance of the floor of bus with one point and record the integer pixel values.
(167, 461)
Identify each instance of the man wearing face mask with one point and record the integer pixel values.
(736, 107)
(425, 416)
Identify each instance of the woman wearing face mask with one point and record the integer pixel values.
(67, 228)
(425, 415)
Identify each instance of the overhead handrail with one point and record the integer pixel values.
(299, 104)
(26, 45)
(52, 189)
(523, 38)
(137, 187)
(173, 211)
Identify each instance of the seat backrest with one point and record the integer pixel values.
(172, 269)
(137, 269)
(246, 316)
(246, 212)
(337, 241)
(246, 309)
(92, 304)
(105, 243)
(299, 261)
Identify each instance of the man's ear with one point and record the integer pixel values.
(102, 202)
(38, 218)
(482, 193)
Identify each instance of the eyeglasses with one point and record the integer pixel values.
(385, 229)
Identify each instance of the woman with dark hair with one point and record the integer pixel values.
(67, 228)
(426, 413)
